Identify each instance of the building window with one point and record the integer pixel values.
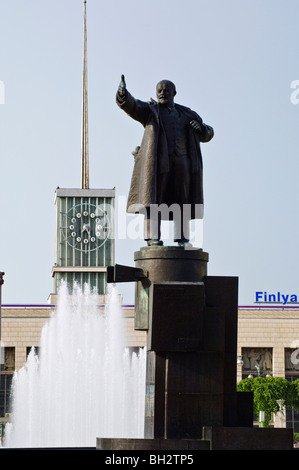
(5, 387)
(8, 360)
(291, 360)
(6, 375)
(29, 349)
(292, 416)
(291, 356)
(256, 362)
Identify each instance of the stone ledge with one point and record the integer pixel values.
(214, 438)
(152, 444)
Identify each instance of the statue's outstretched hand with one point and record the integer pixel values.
(196, 126)
(122, 86)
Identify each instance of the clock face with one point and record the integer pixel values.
(86, 227)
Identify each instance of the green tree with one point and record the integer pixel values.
(294, 394)
(271, 394)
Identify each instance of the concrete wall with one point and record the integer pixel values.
(277, 329)
(21, 328)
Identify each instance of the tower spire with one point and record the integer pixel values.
(84, 131)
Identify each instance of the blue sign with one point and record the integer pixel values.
(279, 298)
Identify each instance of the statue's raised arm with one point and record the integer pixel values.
(122, 87)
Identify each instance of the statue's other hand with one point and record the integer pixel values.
(195, 125)
(122, 86)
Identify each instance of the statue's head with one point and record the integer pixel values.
(165, 91)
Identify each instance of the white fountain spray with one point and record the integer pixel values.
(83, 384)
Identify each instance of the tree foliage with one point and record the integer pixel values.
(271, 394)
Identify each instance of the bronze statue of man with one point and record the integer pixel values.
(168, 169)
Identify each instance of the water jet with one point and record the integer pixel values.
(83, 382)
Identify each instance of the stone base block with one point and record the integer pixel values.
(239, 438)
(152, 444)
(213, 438)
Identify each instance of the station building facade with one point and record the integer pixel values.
(268, 344)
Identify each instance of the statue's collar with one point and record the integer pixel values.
(170, 106)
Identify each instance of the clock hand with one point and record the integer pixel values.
(86, 228)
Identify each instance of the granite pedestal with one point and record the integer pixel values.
(191, 322)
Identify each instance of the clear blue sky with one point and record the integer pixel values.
(232, 61)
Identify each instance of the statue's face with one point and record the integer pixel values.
(165, 92)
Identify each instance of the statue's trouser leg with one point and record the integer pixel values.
(181, 228)
(152, 226)
(181, 177)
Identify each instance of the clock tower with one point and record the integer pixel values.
(84, 242)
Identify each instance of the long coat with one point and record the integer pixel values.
(152, 157)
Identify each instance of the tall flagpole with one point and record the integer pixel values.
(84, 131)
